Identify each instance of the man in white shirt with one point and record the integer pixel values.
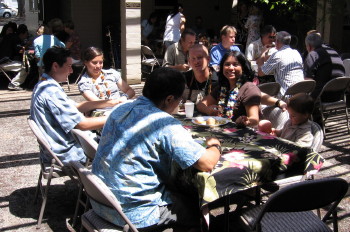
(286, 64)
(265, 44)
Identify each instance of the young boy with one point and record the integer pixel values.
(298, 126)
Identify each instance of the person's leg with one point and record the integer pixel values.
(18, 79)
(182, 215)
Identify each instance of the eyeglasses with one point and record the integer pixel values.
(272, 37)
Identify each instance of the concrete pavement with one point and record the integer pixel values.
(19, 169)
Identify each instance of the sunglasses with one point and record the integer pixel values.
(272, 37)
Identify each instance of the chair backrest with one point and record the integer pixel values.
(347, 67)
(317, 132)
(271, 88)
(276, 116)
(306, 86)
(338, 84)
(88, 144)
(147, 51)
(307, 195)
(97, 190)
(44, 145)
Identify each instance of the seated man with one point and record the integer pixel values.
(286, 64)
(55, 114)
(322, 63)
(227, 35)
(176, 55)
(199, 81)
(262, 45)
(139, 147)
(12, 47)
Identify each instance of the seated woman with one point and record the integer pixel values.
(98, 83)
(139, 146)
(235, 97)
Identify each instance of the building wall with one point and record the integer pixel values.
(87, 18)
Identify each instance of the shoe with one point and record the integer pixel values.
(13, 87)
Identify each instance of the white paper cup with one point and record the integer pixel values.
(189, 108)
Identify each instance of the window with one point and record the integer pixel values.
(33, 6)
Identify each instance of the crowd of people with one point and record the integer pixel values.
(140, 139)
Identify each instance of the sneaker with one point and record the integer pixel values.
(13, 87)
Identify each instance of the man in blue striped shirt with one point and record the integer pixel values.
(286, 64)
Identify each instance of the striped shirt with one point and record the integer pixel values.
(286, 65)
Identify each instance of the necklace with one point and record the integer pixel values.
(102, 89)
(228, 100)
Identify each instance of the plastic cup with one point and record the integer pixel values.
(189, 108)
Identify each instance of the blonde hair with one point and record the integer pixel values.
(227, 29)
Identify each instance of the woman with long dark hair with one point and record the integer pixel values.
(235, 97)
(175, 25)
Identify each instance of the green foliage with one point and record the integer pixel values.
(283, 6)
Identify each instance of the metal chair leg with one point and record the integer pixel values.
(38, 187)
(44, 196)
(75, 216)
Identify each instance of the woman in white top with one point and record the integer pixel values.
(98, 83)
(175, 25)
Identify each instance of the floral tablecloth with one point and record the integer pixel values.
(249, 159)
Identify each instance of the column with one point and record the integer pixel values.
(131, 40)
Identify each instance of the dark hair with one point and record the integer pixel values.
(175, 10)
(267, 29)
(163, 82)
(187, 31)
(55, 54)
(22, 28)
(247, 72)
(69, 24)
(152, 15)
(91, 52)
(13, 25)
(301, 103)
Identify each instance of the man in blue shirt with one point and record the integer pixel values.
(139, 147)
(228, 37)
(55, 114)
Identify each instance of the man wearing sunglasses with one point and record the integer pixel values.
(265, 44)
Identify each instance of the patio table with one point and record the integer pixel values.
(249, 159)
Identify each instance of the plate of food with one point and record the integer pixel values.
(210, 121)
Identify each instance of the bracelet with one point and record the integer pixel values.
(277, 103)
(217, 146)
(125, 95)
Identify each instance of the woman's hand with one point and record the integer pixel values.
(243, 121)
(214, 110)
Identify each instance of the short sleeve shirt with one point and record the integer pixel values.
(300, 134)
(104, 86)
(139, 142)
(174, 55)
(248, 95)
(286, 65)
(56, 116)
(217, 52)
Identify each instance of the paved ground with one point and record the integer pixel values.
(19, 170)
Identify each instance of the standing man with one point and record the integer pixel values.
(322, 63)
(266, 43)
(228, 38)
(286, 64)
(176, 54)
(55, 114)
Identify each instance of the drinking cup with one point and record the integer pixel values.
(189, 108)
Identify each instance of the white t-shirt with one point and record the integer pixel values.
(172, 28)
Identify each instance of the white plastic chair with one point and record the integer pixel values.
(306, 86)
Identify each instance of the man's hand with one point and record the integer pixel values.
(214, 110)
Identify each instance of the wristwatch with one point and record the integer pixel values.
(277, 103)
(217, 146)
